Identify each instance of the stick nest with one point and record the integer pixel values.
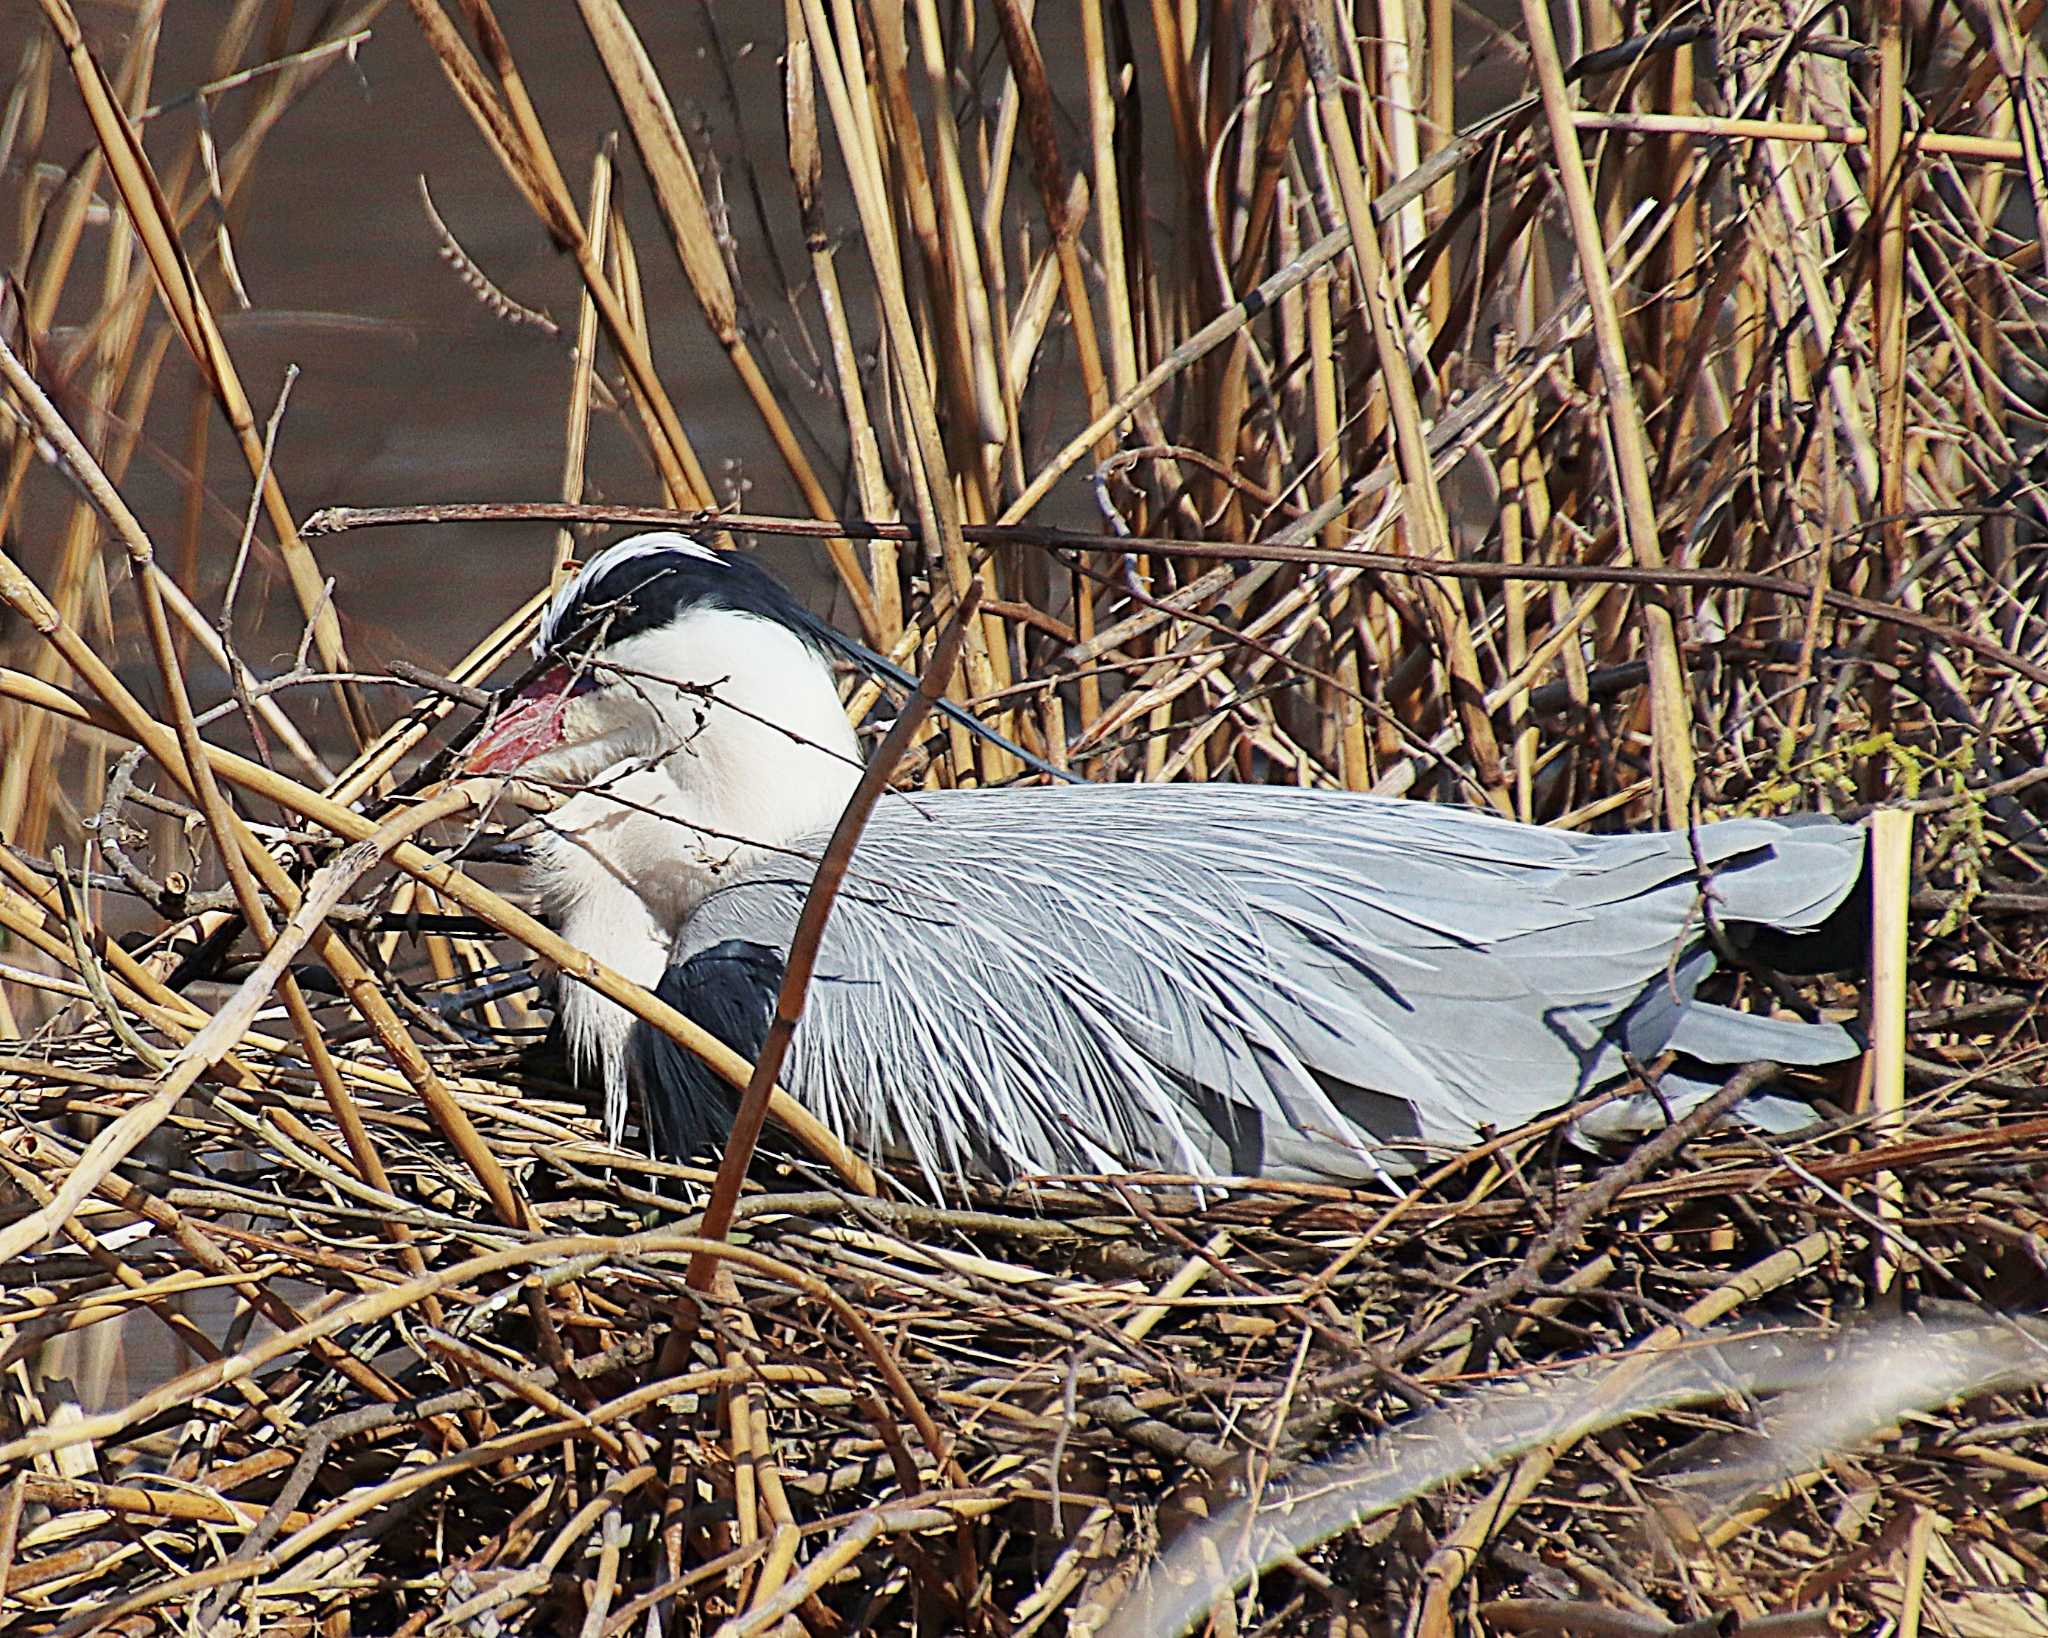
(546, 1428)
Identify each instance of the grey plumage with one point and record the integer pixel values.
(1234, 980)
(1208, 979)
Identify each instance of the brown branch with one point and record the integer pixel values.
(810, 929)
(335, 519)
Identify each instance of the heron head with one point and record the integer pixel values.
(661, 650)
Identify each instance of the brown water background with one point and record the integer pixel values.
(410, 388)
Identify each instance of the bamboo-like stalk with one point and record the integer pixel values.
(1669, 704)
(1519, 525)
(1890, 198)
(1891, 891)
(1035, 94)
(1399, 113)
(1440, 54)
(1109, 209)
(1678, 262)
(963, 249)
(949, 362)
(621, 262)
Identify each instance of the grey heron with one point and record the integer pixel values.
(1206, 979)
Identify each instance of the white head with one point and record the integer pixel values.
(692, 716)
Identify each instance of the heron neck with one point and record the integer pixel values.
(751, 757)
(668, 835)
(622, 864)
(754, 752)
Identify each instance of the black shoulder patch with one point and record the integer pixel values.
(730, 990)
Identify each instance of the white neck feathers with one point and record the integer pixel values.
(744, 748)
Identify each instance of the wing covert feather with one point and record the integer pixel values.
(1196, 978)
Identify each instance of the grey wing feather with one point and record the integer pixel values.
(1233, 979)
(1721, 1035)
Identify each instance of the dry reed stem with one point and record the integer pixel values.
(1669, 707)
(576, 436)
(681, 195)
(23, 595)
(958, 398)
(1995, 150)
(1873, 610)
(1891, 888)
(229, 840)
(1422, 502)
(1454, 1559)
(937, 505)
(531, 167)
(806, 169)
(150, 215)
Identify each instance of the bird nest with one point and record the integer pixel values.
(1720, 1380)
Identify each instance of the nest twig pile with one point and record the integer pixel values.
(544, 1428)
(1661, 442)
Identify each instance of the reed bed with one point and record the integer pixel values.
(1609, 433)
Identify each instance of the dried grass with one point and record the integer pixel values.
(1745, 521)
